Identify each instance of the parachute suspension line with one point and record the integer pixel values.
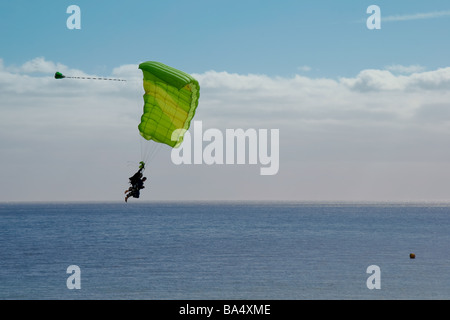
(92, 78)
(149, 149)
(59, 75)
(145, 150)
(154, 151)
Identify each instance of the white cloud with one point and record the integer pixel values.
(42, 66)
(128, 72)
(375, 80)
(304, 68)
(416, 16)
(74, 139)
(52, 130)
(383, 80)
(397, 68)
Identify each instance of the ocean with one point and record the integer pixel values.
(224, 250)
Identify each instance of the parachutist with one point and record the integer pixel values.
(137, 183)
(170, 101)
(134, 190)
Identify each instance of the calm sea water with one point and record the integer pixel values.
(224, 250)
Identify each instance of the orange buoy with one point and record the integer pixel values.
(412, 256)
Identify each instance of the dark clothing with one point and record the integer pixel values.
(137, 183)
(136, 177)
(135, 193)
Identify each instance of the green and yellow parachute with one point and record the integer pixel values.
(170, 101)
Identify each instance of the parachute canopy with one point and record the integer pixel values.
(170, 100)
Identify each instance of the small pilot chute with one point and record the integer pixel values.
(59, 75)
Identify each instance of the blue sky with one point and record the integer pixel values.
(263, 37)
(363, 115)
